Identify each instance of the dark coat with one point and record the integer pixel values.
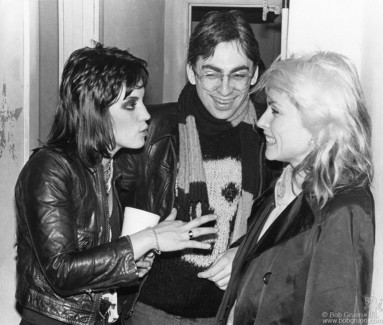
(311, 264)
(64, 259)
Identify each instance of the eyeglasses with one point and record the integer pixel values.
(211, 81)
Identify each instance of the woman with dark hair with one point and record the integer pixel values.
(71, 257)
(308, 252)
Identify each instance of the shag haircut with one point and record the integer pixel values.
(325, 88)
(91, 82)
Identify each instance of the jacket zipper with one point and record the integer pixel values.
(175, 172)
(105, 205)
(100, 192)
(114, 194)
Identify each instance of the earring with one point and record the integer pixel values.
(312, 142)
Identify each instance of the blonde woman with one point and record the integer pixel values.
(308, 252)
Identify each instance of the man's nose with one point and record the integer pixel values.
(225, 87)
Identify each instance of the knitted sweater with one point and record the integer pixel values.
(173, 285)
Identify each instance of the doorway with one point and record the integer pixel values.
(267, 32)
(182, 16)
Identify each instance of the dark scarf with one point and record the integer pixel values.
(191, 181)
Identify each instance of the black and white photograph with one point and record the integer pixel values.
(191, 162)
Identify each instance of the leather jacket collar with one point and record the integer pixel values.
(163, 130)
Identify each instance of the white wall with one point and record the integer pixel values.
(354, 28)
(372, 80)
(335, 25)
(18, 129)
(11, 154)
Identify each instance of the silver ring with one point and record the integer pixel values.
(190, 233)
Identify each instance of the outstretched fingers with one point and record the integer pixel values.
(199, 221)
(196, 244)
(201, 231)
(193, 230)
(174, 235)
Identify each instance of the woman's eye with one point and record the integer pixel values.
(130, 105)
(274, 111)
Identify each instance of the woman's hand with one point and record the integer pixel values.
(176, 235)
(172, 235)
(145, 264)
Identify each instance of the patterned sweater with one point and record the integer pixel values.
(172, 284)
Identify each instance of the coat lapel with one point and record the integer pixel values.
(295, 219)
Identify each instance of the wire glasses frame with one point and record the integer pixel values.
(211, 81)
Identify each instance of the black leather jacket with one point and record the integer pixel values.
(146, 179)
(65, 260)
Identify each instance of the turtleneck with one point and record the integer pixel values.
(206, 123)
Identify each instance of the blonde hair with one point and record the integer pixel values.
(325, 87)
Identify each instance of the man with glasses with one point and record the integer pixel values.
(204, 154)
